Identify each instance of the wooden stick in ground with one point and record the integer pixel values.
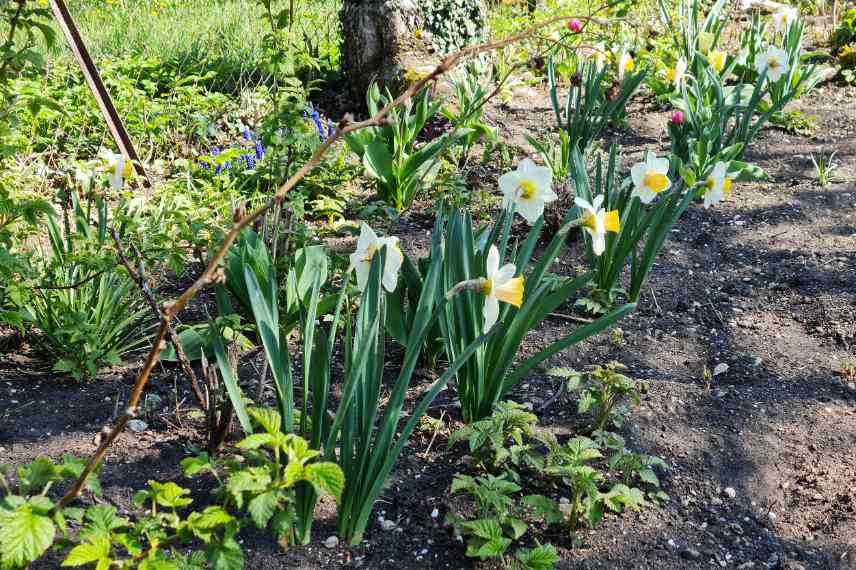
(139, 278)
(213, 273)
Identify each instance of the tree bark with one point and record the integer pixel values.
(376, 35)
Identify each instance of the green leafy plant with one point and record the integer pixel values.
(29, 520)
(497, 442)
(571, 464)
(590, 107)
(631, 465)
(495, 525)
(465, 114)
(363, 440)
(390, 154)
(91, 316)
(262, 482)
(603, 391)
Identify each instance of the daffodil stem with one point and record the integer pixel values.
(469, 285)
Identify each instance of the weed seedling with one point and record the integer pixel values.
(824, 168)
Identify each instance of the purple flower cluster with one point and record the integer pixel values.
(323, 134)
(250, 158)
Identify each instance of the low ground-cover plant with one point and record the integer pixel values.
(557, 483)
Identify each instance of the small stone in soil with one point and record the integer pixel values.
(690, 554)
(435, 513)
(137, 426)
(729, 492)
(332, 542)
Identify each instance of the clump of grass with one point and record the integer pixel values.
(824, 168)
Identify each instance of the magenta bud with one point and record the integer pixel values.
(677, 118)
(575, 26)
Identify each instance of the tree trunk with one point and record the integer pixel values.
(375, 38)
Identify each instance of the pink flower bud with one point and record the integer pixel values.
(575, 26)
(677, 118)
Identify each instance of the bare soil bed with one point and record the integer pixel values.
(763, 461)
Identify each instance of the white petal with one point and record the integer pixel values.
(637, 174)
(526, 166)
(531, 210)
(362, 268)
(394, 259)
(504, 275)
(598, 201)
(541, 176)
(645, 195)
(547, 195)
(598, 244)
(490, 312)
(660, 165)
(367, 237)
(581, 202)
(508, 184)
(492, 265)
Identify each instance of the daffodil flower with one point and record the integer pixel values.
(650, 177)
(784, 18)
(528, 188)
(597, 221)
(626, 64)
(499, 285)
(599, 55)
(676, 74)
(117, 169)
(718, 185)
(774, 61)
(369, 244)
(717, 60)
(705, 41)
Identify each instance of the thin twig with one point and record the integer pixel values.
(213, 273)
(139, 278)
(72, 286)
(571, 318)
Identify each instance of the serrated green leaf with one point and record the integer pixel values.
(25, 535)
(262, 507)
(97, 549)
(326, 477)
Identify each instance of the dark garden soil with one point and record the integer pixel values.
(763, 461)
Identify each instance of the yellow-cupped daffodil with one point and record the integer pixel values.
(774, 61)
(717, 185)
(650, 177)
(118, 168)
(675, 75)
(499, 285)
(529, 188)
(597, 221)
(361, 260)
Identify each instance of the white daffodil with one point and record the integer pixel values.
(717, 60)
(774, 61)
(650, 177)
(597, 221)
(528, 188)
(676, 74)
(783, 19)
(599, 55)
(499, 285)
(361, 260)
(705, 41)
(718, 185)
(626, 64)
(117, 169)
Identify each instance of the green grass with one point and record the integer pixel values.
(195, 36)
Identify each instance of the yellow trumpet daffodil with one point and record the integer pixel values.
(676, 74)
(717, 185)
(529, 188)
(626, 64)
(361, 260)
(650, 177)
(717, 60)
(118, 168)
(500, 284)
(705, 41)
(597, 221)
